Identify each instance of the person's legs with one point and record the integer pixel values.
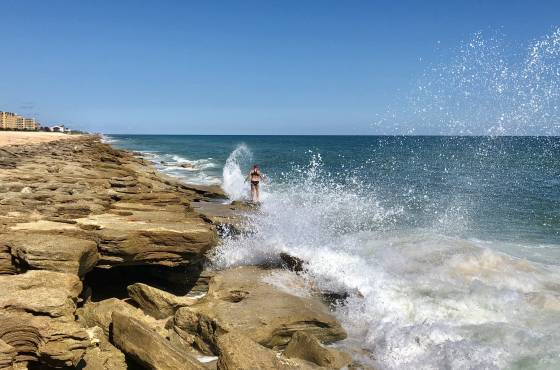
(253, 192)
(258, 192)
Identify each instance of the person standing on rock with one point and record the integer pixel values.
(255, 176)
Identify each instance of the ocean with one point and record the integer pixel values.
(446, 248)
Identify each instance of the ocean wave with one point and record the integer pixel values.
(109, 139)
(188, 170)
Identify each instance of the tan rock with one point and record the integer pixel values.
(230, 219)
(197, 329)
(164, 238)
(52, 337)
(7, 266)
(103, 355)
(53, 342)
(208, 191)
(238, 352)
(306, 347)
(100, 314)
(7, 355)
(43, 225)
(241, 301)
(52, 252)
(63, 343)
(147, 347)
(40, 292)
(17, 332)
(156, 302)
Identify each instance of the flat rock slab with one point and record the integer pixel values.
(241, 301)
(41, 292)
(149, 237)
(52, 252)
(43, 225)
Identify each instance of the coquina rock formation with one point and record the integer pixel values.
(102, 267)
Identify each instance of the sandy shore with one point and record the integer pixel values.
(23, 137)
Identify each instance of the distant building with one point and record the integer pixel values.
(60, 128)
(13, 121)
(30, 124)
(8, 120)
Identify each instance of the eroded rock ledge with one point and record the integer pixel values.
(101, 268)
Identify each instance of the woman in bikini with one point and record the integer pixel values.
(255, 177)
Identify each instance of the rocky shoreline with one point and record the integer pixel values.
(102, 267)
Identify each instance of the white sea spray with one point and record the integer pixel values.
(234, 182)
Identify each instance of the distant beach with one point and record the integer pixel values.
(31, 137)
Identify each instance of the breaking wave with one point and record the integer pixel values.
(233, 177)
(191, 171)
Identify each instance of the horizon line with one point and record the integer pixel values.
(351, 135)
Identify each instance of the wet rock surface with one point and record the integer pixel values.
(241, 300)
(238, 352)
(101, 267)
(306, 347)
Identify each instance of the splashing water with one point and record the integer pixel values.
(233, 177)
(488, 88)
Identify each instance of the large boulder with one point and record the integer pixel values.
(238, 352)
(47, 293)
(147, 347)
(306, 347)
(241, 300)
(52, 252)
(156, 302)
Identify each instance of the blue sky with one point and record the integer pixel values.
(234, 67)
